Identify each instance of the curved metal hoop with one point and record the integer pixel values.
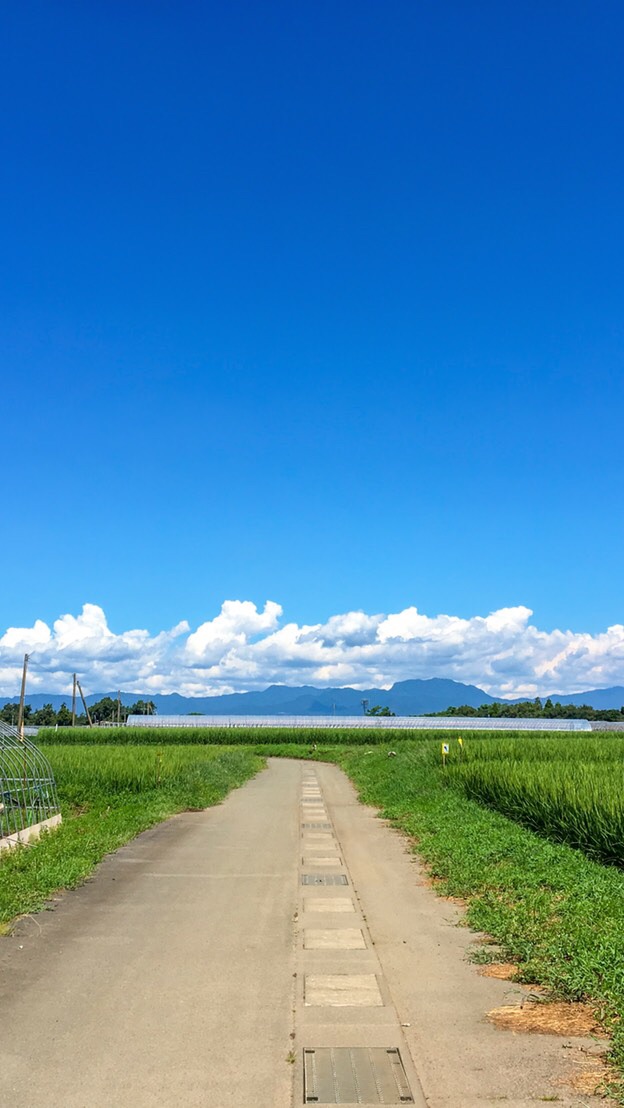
(28, 795)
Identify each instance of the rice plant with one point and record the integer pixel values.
(571, 791)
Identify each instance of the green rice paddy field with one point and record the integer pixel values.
(528, 830)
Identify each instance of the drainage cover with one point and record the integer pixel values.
(355, 1075)
(317, 826)
(324, 879)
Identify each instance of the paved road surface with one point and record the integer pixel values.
(205, 964)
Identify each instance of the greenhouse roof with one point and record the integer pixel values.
(391, 723)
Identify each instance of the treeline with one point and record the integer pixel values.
(536, 709)
(106, 710)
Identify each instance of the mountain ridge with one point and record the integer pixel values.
(416, 696)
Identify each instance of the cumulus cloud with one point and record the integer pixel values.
(248, 647)
(238, 621)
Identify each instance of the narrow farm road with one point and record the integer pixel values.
(279, 949)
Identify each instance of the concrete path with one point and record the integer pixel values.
(279, 946)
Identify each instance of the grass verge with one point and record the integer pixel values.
(109, 795)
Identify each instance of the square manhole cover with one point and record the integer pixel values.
(317, 826)
(323, 879)
(355, 1075)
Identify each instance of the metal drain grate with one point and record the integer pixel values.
(317, 826)
(355, 1075)
(323, 879)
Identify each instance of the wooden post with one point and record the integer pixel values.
(84, 703)
(20, 717)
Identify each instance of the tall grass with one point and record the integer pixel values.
(251, 736)
(85, 773)
(571, 792)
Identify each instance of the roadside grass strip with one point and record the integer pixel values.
(108, 796)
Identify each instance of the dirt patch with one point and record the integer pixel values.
(429, 882)
(437, 884)
(559, 1018)
(591, 1082)
(503, 971)
(592, 1075)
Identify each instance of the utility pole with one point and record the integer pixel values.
(118, 707)
(20, 717)
(364, 706)
(84, 703)
(74, 703)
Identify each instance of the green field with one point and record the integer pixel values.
(209, 736)
(251, 736)
(570, 791)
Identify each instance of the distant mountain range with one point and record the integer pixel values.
(405, 698)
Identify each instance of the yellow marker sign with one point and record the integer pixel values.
(445, 748)
(461, 742)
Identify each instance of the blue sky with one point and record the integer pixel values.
(320, 304)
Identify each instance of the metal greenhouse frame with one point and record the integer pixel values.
(28, 797)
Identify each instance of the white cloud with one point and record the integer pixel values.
(26, 638)
(237, 622)
(246, 647)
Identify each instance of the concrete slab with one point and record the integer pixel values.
(342, 990)
(360, 1025)
(335, 938)
(328, 904)
(30, 834)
